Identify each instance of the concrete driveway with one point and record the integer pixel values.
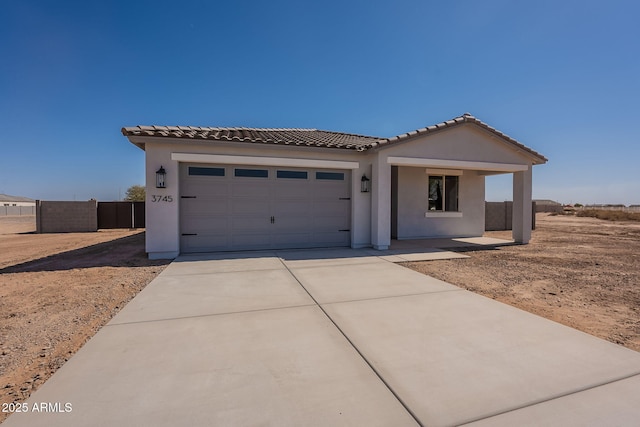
(331, 337)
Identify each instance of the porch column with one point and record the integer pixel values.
(521, 224)
(381, 203)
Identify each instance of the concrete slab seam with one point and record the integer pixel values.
(556, 397)
(226, 313)
(404, 405)
(228, 254)
(392, 296)
(172, 274)
(338, 263)
(383, 258)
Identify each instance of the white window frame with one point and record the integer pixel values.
(444, 173)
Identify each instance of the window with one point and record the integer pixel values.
(333, 176)
(206, 171)
(252, 173)
(443, 193)
(292, 174)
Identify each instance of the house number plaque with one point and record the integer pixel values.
(156, 198)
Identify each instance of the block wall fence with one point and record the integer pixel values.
(66, 217)
(498, 216)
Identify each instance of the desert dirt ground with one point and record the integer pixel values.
(56, 291)
(581, 272)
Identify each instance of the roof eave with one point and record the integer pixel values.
(466, 118)
(140, 135)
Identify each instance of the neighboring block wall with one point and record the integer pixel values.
(17, 210)
(66, 217)
(498, 216)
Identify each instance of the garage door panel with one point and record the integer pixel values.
(217, 189)
(250, 241)
(291, 208)
(248, 206)
(206, 223)
(205, 207)
(251, 223)
(253, 188)
(330, 189)
(291, 190)
(332, 207)
(329, 223)
(233, 210)
(292, 240)
(285, 224)
(339, 238)
(204, 242)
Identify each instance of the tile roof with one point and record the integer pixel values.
(8, 198)
(312, 137)
(465, 118)
(300, 137)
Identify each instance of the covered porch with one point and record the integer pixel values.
(435, 198)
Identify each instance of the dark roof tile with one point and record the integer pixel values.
(308, 137)
(312, 137)
(465, 118)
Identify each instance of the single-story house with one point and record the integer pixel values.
(7, 200)
(227, 189)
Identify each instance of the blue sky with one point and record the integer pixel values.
(562, 77)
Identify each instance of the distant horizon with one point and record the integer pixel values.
(486, 200)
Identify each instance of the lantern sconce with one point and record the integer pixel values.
(365, 184)
(161, 174)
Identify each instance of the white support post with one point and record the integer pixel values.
(381, 203)
(522, 210)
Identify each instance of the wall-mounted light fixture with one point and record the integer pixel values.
(365, 184)
(161, 174)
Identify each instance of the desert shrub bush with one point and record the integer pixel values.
(610, 215)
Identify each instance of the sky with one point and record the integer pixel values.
(562, 77)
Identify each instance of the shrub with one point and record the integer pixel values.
(610, 215)
(135, 193)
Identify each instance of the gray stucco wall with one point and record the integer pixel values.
(162, 219)
(66, 217)
(412, 205)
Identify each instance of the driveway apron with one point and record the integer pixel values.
(331, 337)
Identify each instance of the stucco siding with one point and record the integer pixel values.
(162, 215)
(412, 195)
(463, 143)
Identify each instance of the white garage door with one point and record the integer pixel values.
(227, 207)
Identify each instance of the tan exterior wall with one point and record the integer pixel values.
(66, 217)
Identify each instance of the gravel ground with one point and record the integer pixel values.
(581, 272)
(56, 291)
